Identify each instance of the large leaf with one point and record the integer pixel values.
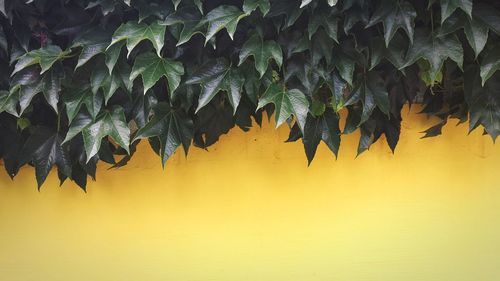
(134, 33)
(224, 16)
(484, 102)
(449, 6)
(323, 128)
(152, 68)
(45, 149)
(45, 57)
(172, 126)
(435, 50)
(262, 51)
(251, 5)
(372, 93)
(287, 103)
(109, 83)
(110, 124)
(215, 76)
(395, 15)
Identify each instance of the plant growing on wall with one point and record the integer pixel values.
(85, 81)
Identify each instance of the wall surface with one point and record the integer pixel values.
(250, 209)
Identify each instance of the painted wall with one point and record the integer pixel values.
(250, 209)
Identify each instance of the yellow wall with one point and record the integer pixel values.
(250, 209)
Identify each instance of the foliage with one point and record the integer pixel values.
(84, 81)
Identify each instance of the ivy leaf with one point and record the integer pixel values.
(395, 15)
(152, 68)
(112, 55)
(484, 102)
(323, 128)
(287, 103)
(215, 76)
(475, 30)
(82, 96)
(329, 22)
(45, 57)
(111, 124)
(449, 6)
(189, 17)
(488, 15)
(172, 126)
(371, 92)
(490, 64)
(101, 79)
(49, 84)
(80, 122)
(289, 9)
(45, 149)
(224, 16)
(477, 35)
(134, 33)
(435, 50)
(251, 5)
(92, 43)
(262, 51)
(8, 102)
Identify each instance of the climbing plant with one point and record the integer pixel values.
(85, 81)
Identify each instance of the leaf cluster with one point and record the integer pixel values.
(84, 81)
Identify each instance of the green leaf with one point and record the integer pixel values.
(323, 128)
(45, 149)
(8, 102)
(215, 76)
(329, 22)
(172, 126)
(82, 96)
(224, 16)
(449, 6)
(92, 43)
(287, 103)
(152, 68)
(189, 17)
(45, 57)
(435, 50)
(488, 15)
(101, 79)
(134, 33)
(262, 51)
(80, 122)
(490, 64)
(112, 55)
(477, 35)
(251, 5)
(395, 15)
(110, 124)
(372, 93)
(484, 102)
